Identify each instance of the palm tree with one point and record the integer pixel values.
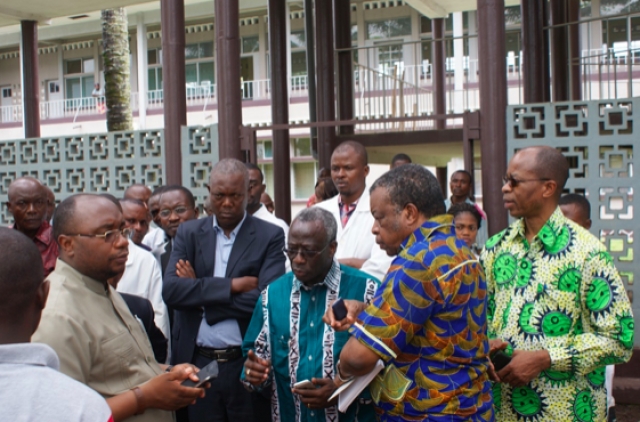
(115, 55)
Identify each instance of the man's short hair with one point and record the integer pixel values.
(65, 212)
(251, 166)
(228, 166)
(550, 163)
(357, 147)
(464, 172)
(413, 184)
(308, 215)
(577, 200)
(185, 191)
(21, 273)
(401, 157)
(159, 190)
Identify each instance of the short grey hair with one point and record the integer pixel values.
(318, 214)
(228, 166)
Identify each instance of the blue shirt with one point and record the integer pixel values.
(225, 333)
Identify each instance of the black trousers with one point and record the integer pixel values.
(227, 400)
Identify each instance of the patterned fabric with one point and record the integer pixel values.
(428, 323)
(563, 294)
(287, 328)
(345, 211)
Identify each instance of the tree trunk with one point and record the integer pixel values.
(115, 55)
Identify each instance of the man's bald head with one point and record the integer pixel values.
(355, 148)
(551, 164)
(25, 183)
(138, 191)
(21, 295)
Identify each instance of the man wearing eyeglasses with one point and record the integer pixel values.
(218, 267)
(88, 324)
(287, 342)
(28, 205)
(557, 305)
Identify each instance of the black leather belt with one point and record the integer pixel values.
(221, 355)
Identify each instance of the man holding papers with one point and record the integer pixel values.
(291, 353)
(427, 321)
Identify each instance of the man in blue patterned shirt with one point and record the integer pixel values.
(287, 341)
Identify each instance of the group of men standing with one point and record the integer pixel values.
(544, 292)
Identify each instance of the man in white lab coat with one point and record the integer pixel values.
(356, 244)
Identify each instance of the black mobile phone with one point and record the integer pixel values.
(339, 310)
(205, 374)
(500, 359)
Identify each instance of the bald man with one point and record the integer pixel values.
(88, 324)
(557, 305)
(357, 247)
(31, 387)
(138, 191)
(28, 205)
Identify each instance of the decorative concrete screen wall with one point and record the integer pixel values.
(106, 162)
(599, 138)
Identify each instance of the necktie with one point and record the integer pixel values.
(345, 212)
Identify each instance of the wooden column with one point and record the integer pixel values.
(342, 19)
(535, 50)
(438, 70)
(326, 108)
(30, 79)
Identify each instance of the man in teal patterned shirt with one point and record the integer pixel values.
(556, 301)
(287, 342)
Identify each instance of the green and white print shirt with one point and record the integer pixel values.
(560, 293)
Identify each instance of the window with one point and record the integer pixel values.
(298, 39)
(79, 87)
(304, 180)
(250, 45)
(302, 147)
(389, 56)
(154, 56)
(199, 72)
(299, 63)
(389, 28)
(6, 92)
(75, 66)
(199, 50)
(54, 87)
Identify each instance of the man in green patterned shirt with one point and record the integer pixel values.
(556, 301)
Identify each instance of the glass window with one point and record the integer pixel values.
(79, 87)
(205, 72)
(389, 28)
(206, 49)
(250, 45)
(154, 56)
(302, 147)
(298, 63)
(425, 25)
(304, 180)
(614, 7)
(354, 32)
(73, 66)
(268, 149)
(88, 65)
(389, 56)
(267, 170)
(198, 51)
(191, 51)
(191, 73)
(298, 40)
(512, 15)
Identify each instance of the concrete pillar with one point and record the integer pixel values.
(493, 105)
(458, 58)
(141, 67)
(326, 108)
(228, 78)
(438, 70)
(173, 85)
(30, 79)
(278, 40)
(535, 52)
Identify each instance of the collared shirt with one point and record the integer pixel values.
(32, 389)
(346, 210)
(47, 246)
(264, 214)
(427, 321)
(287, 328)
(142, 277)
(560, 293)
(225, 333)
(156, 240)
(98, 340)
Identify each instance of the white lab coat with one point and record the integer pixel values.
(264, 214)
(356, 239)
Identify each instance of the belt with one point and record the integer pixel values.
(221, 355)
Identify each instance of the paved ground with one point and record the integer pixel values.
(628, 412)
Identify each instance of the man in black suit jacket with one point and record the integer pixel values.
(141, 309)
(217, 269)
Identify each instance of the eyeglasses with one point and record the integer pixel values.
(179, 211)
(513, 182)
(108, 236)
(306, 254)
(38, 203)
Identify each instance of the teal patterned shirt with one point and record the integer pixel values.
(560, 293)
(287, 328)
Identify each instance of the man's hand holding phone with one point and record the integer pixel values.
(343, 313)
